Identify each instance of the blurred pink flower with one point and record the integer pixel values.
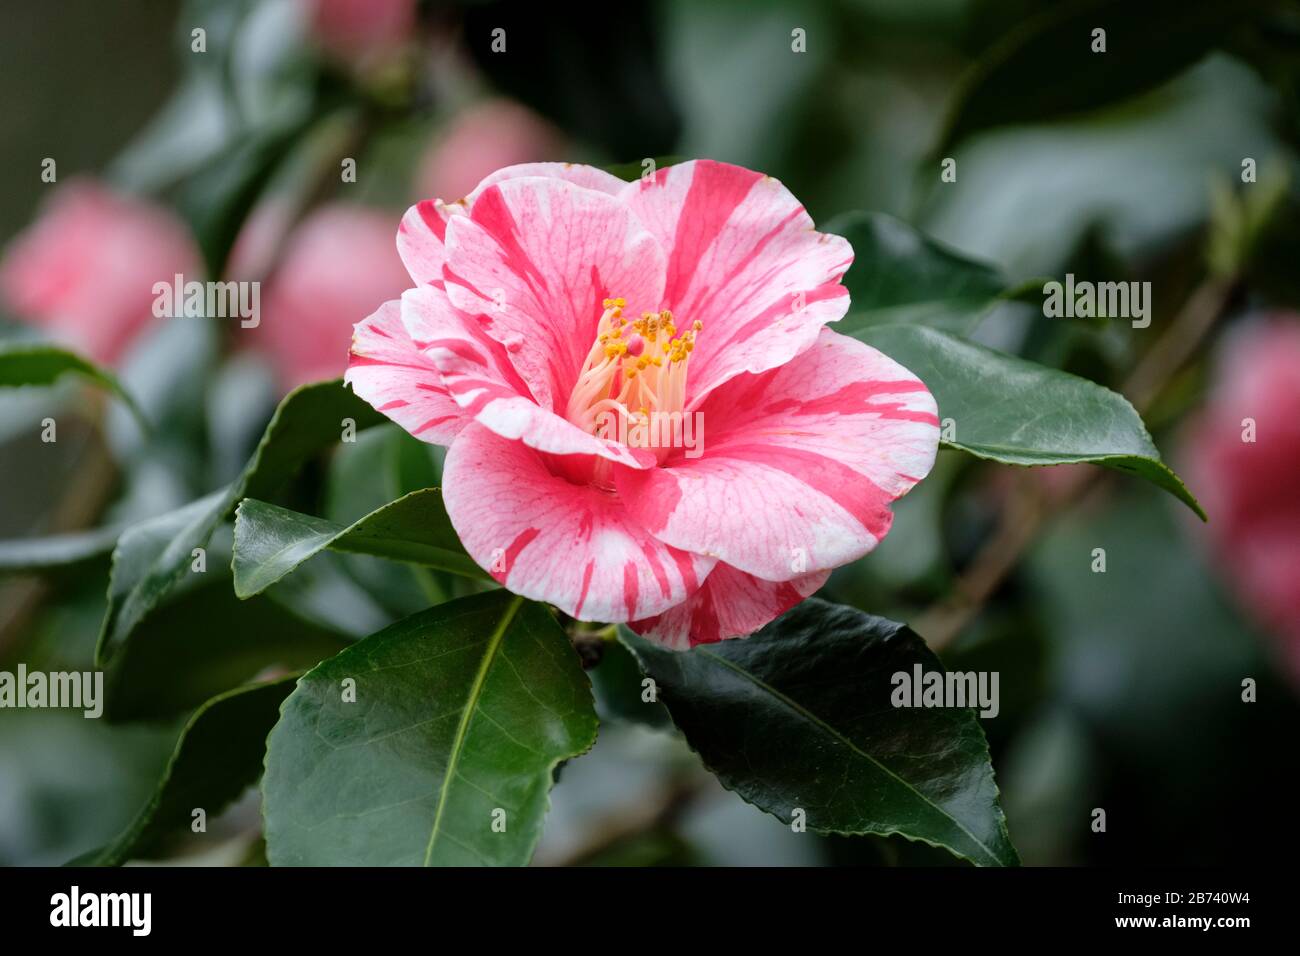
(340, 262)
(85, 270)
(485, 137)
(1250, 487)
(520, 347)
(360, 29)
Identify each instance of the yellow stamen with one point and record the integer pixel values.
(644, 381)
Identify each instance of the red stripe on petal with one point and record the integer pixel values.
(901, 413)
(433, 422)
(428, 211)
(630, 589)
(459, 348)
(491, 212)
(851, 398)
(367, 360)
(522, 540)
(686, 568)
(449, 274)
(849, 489)
(656, 568)
(705, 627)
(716, 191)
(784, 306)
(586, 585)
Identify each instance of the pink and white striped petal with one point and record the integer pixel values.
(799, 465)
(537, 257)
(551, 540)
(476, 371)
(745, 260)
(730, 603)
(388, 370)
(420, 238)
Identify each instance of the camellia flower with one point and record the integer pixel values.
(1243, 451)
(85, 271)
(558, 308)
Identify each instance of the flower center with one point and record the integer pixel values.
(634, 370)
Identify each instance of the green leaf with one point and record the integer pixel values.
(27, 364)
(1017, 412)
(1046, 67)
(271, 541)
(460, 710)
(219, 754)
(616, 685)
(151, 559)
(203, 641)
(901, 275)
(57, 551)
(799, 715)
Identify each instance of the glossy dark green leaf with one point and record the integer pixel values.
(219, 754)
(271, 541)
(901, 275)
(384, 464)
(1046, 67)
(202, 641)
(617, 683)
(460, 711)
(1006, 409)
(152, 558)
(799, 716)
(37, 364)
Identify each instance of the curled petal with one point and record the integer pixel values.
(551, 540)
(745, 261)
(799, 465)
(477, 372)
(536, 258)
(421, 236)
(388, 370)
(730, 603)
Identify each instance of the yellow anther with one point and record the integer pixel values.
(650, 376)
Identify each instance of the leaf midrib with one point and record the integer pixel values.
(819, 722)
(462, 729)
